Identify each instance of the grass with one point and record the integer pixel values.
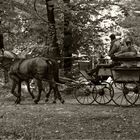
(69, 121)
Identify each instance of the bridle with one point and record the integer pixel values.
(4, 64)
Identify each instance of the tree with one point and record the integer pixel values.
(67, 49)
(26, 25)
(53, 49)
(132, 20)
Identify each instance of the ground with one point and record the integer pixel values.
(68, 121)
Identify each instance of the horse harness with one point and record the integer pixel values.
(16, 71)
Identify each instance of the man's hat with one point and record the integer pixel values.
(112, 36)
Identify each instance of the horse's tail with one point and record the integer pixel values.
(55, 71)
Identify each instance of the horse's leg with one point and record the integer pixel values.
(48, 94)
(52, 86)
(15, 80)
(28, 87)
(39, 84)
(58, 94)
(13, 88)
(6, 76)
(19, 93)
(55, 95)
(14, 84)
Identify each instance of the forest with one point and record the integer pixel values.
(66, 28)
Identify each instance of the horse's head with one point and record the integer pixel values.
(6, 62)
(7, 59)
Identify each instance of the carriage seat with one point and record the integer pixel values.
(89, 78)
(120, 68)
(104, 65)
(128, 61)
(133, 58)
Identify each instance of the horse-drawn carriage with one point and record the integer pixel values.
(115, 84)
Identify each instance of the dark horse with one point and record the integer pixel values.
(38, 68)
(6, 60)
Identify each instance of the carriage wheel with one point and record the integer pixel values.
(124, 96)
(131, 93)
(104, 93)
(83, 94)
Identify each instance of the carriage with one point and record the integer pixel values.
(115, 84)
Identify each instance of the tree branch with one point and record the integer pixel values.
(28, 9)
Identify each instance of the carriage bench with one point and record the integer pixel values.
(132, 58)
(103, 73)
(128, 61)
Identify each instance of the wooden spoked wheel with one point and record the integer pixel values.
(126, 94)
(131, 93)
(103, 93)
(83, 93)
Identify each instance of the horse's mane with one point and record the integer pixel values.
(10, 54)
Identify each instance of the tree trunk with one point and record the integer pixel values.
(5, 72)
(1, 41)
(52, 46)
(67, 38)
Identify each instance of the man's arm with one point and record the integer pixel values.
(113, 50)
(133, 50)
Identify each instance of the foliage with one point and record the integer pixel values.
(132, 21)
(87, 17)
(26, 28)
(20, 24)
(70, 121)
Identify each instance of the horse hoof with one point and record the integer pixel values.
(46, 100)
(35, 101)
(33, 97)
(17, 102)
(54, 102)
(62, 101)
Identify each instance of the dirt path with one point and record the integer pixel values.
(69, 121)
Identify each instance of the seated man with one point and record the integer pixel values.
(115, 47)
(127, 50)
(118, 49)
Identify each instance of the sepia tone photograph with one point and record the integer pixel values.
(69, 69)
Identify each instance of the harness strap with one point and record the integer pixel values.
(18, 73)
(19, 63)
